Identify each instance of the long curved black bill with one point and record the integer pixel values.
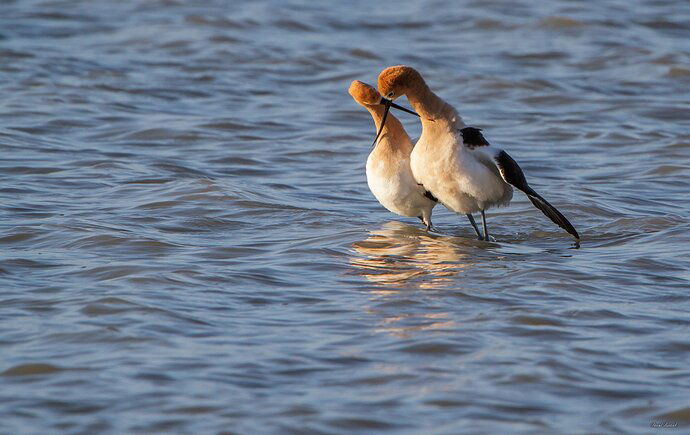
(383, 121)
(388, 104)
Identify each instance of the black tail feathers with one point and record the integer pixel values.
(552, 213)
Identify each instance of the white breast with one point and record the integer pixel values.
(390, 180)
(464, 180)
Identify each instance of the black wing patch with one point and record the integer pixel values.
(428, 194)
(513, 175)
(472, 138)
(512, 172)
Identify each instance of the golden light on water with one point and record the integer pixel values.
(403, 255)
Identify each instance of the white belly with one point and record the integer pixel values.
(392, 184)
(462, 179)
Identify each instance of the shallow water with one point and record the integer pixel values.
(189, 244)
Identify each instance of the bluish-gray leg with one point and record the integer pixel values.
(486, 231)
(474, 225)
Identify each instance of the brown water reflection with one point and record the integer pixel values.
(398, 325)
(402, 255)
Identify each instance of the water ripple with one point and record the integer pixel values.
(189, 244)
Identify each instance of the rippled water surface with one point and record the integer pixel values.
(188, 243)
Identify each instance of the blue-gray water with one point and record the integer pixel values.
(188, 244)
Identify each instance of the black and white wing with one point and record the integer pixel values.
(512, 174)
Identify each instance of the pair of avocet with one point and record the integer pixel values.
(451, 163)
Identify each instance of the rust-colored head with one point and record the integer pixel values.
(369, 97)
(364, 94)
(398, 80)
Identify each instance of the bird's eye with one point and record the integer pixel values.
(390, 94)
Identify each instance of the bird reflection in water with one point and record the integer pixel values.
(401, 256)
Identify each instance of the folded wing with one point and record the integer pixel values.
(512, 174)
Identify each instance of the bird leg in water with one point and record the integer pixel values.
(474, 225)
(426, 224)
(486, 231)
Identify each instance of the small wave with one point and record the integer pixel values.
(678, 72)
(32, 369)
(558, 22)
